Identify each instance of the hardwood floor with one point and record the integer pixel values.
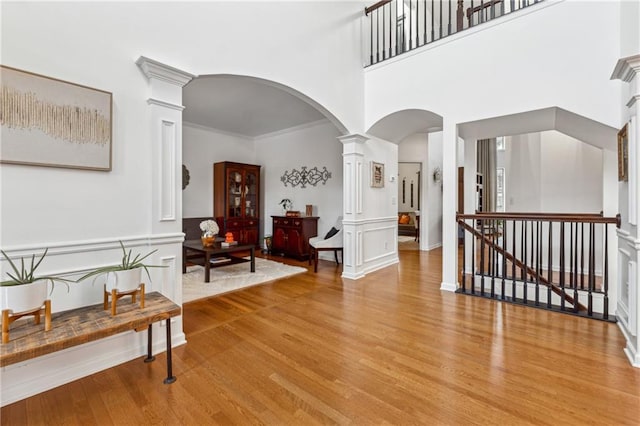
(387, 349)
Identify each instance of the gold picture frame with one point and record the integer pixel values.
(623, 155)
(377, 175)
(53, 123)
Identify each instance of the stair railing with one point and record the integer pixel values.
(398, 26)
(558, 262)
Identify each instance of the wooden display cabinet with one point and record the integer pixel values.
(236, 200)
(291, 235)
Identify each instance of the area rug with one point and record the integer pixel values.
(232, 277)
(405, 238)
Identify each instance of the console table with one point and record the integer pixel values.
(86, 324)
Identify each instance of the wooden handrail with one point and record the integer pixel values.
(551, 217)
(530, 271)
(471, 11)
(368, 10)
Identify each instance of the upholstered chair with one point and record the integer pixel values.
(332, 241)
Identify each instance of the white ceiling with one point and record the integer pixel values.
(244, 106)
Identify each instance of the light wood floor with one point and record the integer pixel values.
(387, 349)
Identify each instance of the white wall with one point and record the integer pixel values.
(552, 173)
(314, 146)
(433, 206)
(200, 149)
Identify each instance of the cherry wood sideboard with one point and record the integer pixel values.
(291, 235)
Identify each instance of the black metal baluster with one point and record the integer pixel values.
(377, 36)
(481, 21)
(464, 258)
(473, 261)
(538, 264)
(449, 32)
(440, 25)
(384, 19)
(391, 19)
(513, 263)
(562, 266)
(493, 258)
(550, 265)
(504, 257)
(470, 16)
(575, 272)
(524, 257)
(592, 277)
(432, 20)
(605, 283)
(371, 40)
(482, 256)
(410, 25)
(581, 256)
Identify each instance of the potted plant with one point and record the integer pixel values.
(25, 291)
(125, 276)
(286, 204)
(209, 230)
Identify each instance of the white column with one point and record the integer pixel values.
(165, 106)
(449, 205)
(353, 172)
(628, 295)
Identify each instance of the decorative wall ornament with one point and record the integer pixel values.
(303, 177)
(50, 122)
(186, 177)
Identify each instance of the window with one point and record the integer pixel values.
(500, 189)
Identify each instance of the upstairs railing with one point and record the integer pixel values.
(398, 26)
(558, 262)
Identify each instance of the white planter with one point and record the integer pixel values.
(23, 298)
(122, 281)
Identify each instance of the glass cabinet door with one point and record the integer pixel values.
(234, 192)
(250, 194)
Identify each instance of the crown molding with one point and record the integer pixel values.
(626, 68)
(153, 101)
(292, 129)
(160, 71)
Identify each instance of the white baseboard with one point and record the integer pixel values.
(452, 287)
(28, 378)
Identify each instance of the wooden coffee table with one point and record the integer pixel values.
(216, 250)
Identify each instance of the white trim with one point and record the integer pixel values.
(155, 69)
(633, 100)
(164, 104)
(59, 368)
(214, 130)
(168, 184)
(434, 246)
(101, 244)
(626, 68)
(292, 129)
(448, 287)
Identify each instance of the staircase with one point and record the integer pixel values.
(558, 262)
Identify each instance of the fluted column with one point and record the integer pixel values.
(353, 172)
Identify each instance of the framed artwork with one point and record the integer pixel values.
(623, 155)
(53, 123)
(377, 175)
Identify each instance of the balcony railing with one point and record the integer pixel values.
(398, 26)
(558, 262)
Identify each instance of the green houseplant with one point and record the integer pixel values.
(25, 291)
(126, 275)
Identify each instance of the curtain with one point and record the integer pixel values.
(486, 166)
